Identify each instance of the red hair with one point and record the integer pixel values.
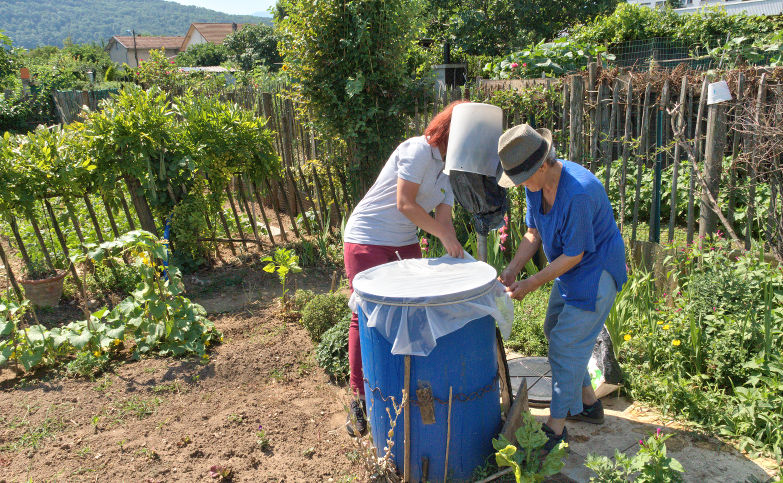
(437, 132)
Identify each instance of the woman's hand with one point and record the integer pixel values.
(451, 244)
(507, 276)
(518, 290)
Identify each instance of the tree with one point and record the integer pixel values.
(496, 27)
(254, 45)
(348, 58)
(203, 55)
(8, 58)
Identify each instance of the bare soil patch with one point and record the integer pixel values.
(172, 420)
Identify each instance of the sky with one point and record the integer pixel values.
(238, 7)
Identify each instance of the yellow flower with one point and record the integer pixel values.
(205, 357)
(97, 353)
(660, 322)
(206, 344)
(676, 342)
(117, 342)
(285, 67)
(665, 327)
(627, 337)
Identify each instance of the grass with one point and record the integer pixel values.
(33, 436)
(527, 333)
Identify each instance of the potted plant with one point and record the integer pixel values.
(43, 285)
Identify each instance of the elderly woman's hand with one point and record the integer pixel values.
(507, 277)
(519, 289)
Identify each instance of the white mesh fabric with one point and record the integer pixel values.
(414, 302)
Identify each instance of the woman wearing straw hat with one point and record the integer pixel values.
(568, 212)
(384, 224)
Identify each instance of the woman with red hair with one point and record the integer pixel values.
(410, 186)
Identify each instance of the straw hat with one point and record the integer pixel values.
(522, 150)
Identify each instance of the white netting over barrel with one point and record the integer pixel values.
(414, 302)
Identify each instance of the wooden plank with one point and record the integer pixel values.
(514, 417)
(676, 167)
(697, 143)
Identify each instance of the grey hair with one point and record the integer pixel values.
(551, 157)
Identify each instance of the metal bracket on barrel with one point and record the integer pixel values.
(425, 401)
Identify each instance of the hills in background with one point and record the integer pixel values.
(37, 23)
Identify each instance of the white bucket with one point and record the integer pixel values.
(473, 139)
(718, 92)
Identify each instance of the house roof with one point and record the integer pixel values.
(168, 43)
(212, 32)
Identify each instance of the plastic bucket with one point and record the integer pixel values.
(473, 139)
(466, 361)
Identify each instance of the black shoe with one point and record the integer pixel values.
(593, 414)
(357, 422)
(552, 439)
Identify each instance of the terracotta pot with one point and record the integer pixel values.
(45, 292)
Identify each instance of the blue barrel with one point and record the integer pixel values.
(466, 361)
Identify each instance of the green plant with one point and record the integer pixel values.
(649, 465)
(301, 298)
(262, 440)
(323, 312)
(524, 459)
(332, 352)
(552, 59)
(283, 261)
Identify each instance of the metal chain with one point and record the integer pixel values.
(459, 396)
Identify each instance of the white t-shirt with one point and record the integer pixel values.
(376, 219)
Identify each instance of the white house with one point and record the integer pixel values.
(200, 33)
(125, 49)
(750, 7)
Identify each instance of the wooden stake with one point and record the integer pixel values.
(277, 212)
(751, 213)
(407, 396)
(642, 153)
(22, 250)
(10, 273)
(93, 218)
(577, 123)
(448, 437)
(236, 217)
(263, 213)
(125, 209)
(110, 215)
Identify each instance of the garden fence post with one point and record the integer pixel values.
(697, 145)
(577, 117)
(654, 234)
(626, 147)
(751, 212)
(715, 143)
(110, 215)
(250, 213)
(277, 212)
(613, 131)
(31, 218)
(594, 105)
(142, 207)
(736, 135)
(676, 167)
(254, 189)
(564, 120)
(72, 266)
(93, 218)
(236, 217)
(10, 273)
(74, 220)
(126, 209)
(641, 155)
(19, 241)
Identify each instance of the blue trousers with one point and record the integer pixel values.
(572, 333)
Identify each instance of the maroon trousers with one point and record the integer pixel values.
(358, 258)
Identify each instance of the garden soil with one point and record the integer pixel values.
(173, 420)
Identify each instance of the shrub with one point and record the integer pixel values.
(323, 312)
(332, 351)
(301, 298)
